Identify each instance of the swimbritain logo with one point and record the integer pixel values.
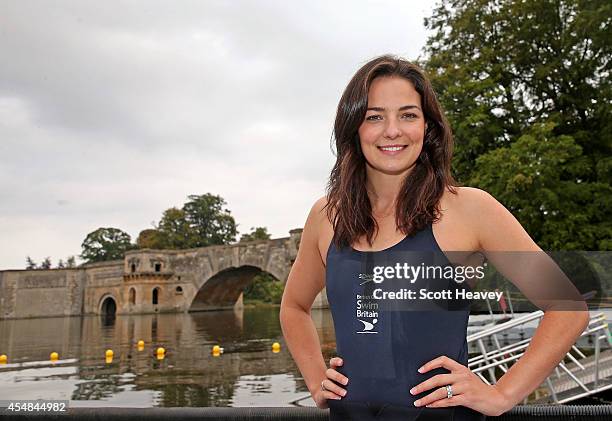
(367, 314)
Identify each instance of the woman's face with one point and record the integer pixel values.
(391, 134)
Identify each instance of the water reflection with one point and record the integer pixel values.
(248, 373)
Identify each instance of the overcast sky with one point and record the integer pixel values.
(112, 112)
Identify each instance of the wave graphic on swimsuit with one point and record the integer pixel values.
(367, 326)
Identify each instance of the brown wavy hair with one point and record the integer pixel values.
(348, 204)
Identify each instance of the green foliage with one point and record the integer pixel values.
(149, 239)
(208, 221)
(173, 230)
(30, 264)
(46, 263)
(264, 288)
(259, 233)
(201, 222)
(71, 262)
(539, 179)
(105, 244)
(526, 88)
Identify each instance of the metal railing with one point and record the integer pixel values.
(581, 377)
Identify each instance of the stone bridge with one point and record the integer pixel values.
(150, 281)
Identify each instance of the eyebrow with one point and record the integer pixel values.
(402, 108)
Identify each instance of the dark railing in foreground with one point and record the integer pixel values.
(520, 412)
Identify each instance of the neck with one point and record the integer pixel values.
(384, 188)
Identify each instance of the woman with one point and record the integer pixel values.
(391, 191)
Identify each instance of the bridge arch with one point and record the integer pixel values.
(108, 305)
(222, 290)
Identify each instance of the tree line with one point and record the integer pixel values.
(526, 87)
(202, 221)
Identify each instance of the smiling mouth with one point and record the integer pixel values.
(392, 148)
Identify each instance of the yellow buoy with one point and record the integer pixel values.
(160, 350)
(161, 356)
(217, 350)
(3, 359)
(109, 353)
(276, 347)
(54, 356)
(109, 359)
(141, 344)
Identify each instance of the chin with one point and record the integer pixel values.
(393, 169)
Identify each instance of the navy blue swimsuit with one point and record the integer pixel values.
(386, 328)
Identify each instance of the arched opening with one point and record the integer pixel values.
(155, 296)
(133, 267)
(132, 296)
(157, 267)
(224, 289)
(179, 290)
(109, 307)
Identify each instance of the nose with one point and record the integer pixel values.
(392, 130)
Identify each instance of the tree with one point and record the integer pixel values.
(535, 178)
(264, 288)
(208, 221)
(174, 231)
(201, 222)
(60, 264)
(30, 264)
(259, 233)
(46, 264)
(105, 244)
(71, 262)
(150, 239)
(511, 73)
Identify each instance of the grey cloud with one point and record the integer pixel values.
(111, 112)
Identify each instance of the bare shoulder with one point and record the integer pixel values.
(478, 206)
(494, 226)
(324, 227)
(320, 204)
(472, 201)
(455, 229)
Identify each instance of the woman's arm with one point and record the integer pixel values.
(306, 279)
(519, 259)
(516, 256)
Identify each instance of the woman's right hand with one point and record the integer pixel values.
(334, 391)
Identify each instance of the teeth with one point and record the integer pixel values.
(396, 148)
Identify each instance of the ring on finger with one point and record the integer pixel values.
(323, 388)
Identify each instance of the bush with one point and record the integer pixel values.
(264, 288)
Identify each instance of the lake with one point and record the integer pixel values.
(247, 373)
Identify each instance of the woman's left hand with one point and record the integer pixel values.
(467, 388)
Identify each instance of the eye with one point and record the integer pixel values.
(373, 117)
(409, 115)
